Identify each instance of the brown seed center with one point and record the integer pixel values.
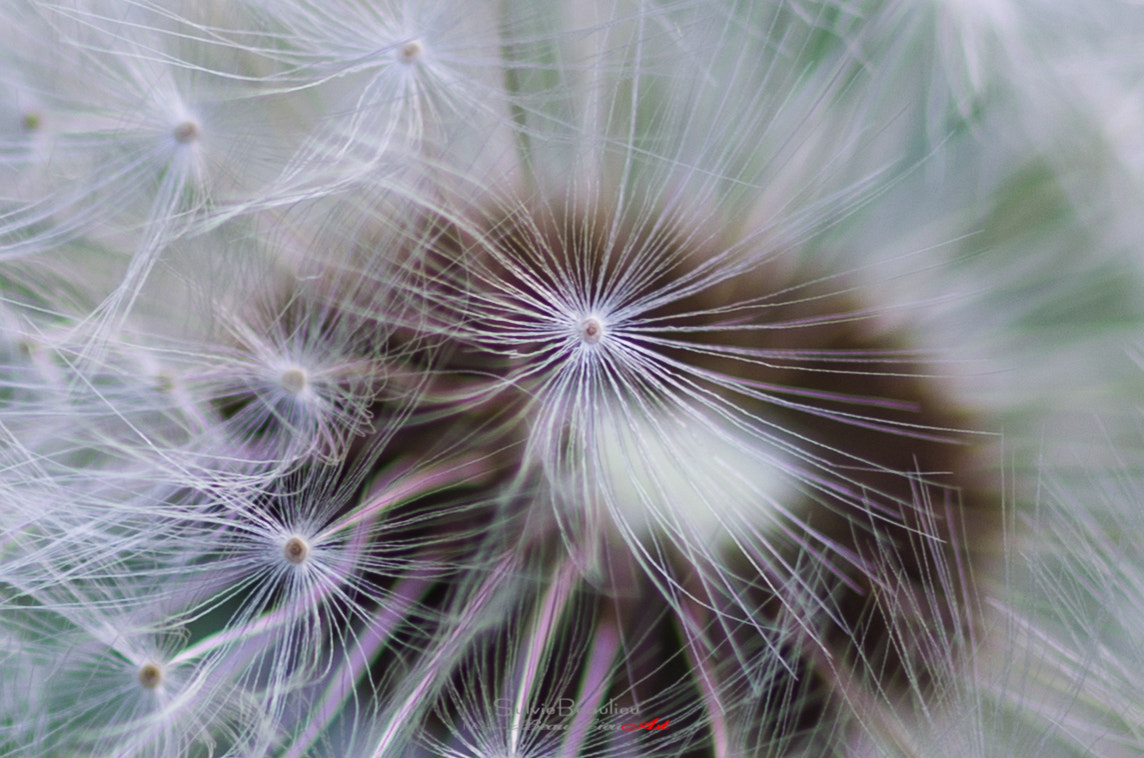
(293, 380)
(150, 675)
(591, 330)
(185, 132)
(296, 550)
(411, 51)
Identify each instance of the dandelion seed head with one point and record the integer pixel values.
(549, 373)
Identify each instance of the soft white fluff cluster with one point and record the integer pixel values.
(523, 379)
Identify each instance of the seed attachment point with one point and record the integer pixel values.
(410, 52)
(296, 550)
(150, 675)
(591, 330)
(185, 132)
(294, 380)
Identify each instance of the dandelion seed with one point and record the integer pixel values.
(402, 76)
(301, 377)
